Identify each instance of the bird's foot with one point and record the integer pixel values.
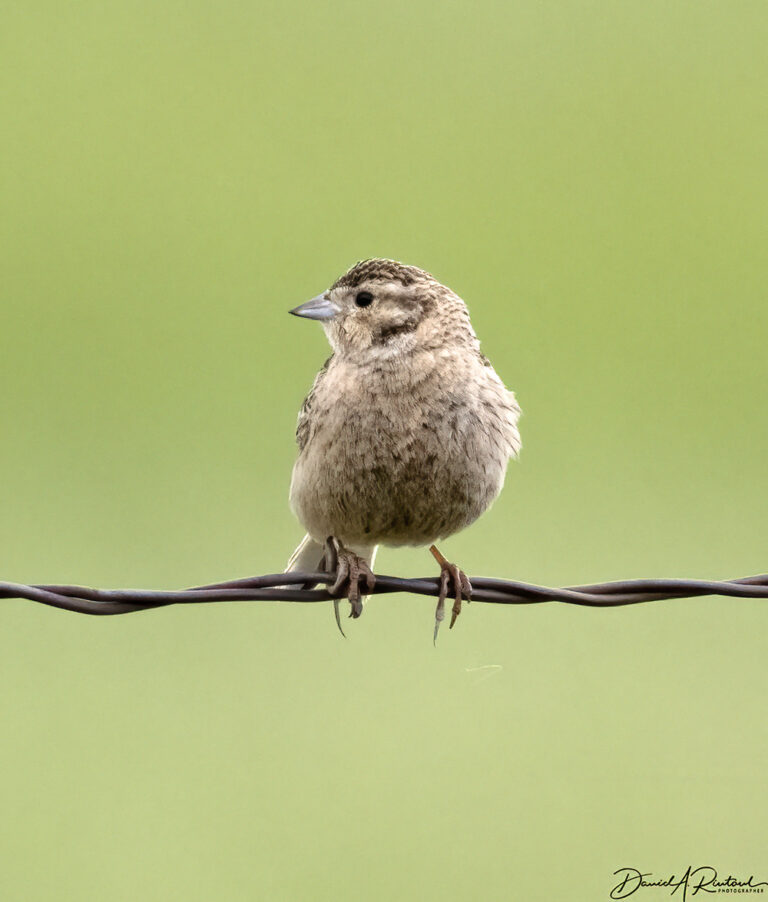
(351, 570)
(461, 587)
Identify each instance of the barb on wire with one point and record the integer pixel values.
(276, 587)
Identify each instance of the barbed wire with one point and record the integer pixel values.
(274, 587)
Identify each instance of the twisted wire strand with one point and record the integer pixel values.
(274, 587)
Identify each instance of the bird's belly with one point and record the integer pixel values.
(395, 488)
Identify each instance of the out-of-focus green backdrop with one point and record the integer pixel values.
(591, 178)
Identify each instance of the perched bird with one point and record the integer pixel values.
(405, 436)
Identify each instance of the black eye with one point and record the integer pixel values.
(364, 299)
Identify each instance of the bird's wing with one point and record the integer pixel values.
(303, 425)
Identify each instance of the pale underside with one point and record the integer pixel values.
(404, 452)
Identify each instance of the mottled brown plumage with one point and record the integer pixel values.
(406, 434)
(380, 270)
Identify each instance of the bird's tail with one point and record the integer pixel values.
(307, 556)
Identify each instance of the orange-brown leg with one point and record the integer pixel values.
(450, 576)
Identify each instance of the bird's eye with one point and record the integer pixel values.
(364, 299)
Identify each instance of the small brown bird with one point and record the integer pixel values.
(405, 436)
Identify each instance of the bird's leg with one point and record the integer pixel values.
(350, 570)
(450, 575)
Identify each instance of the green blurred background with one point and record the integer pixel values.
(591, 178)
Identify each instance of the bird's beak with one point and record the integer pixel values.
(320, 308)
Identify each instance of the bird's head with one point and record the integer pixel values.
(383, 308)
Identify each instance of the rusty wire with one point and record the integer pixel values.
(275, 587)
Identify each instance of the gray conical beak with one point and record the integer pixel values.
(318, 308)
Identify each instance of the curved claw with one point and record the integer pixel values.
(337, 615)
(329, 565)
